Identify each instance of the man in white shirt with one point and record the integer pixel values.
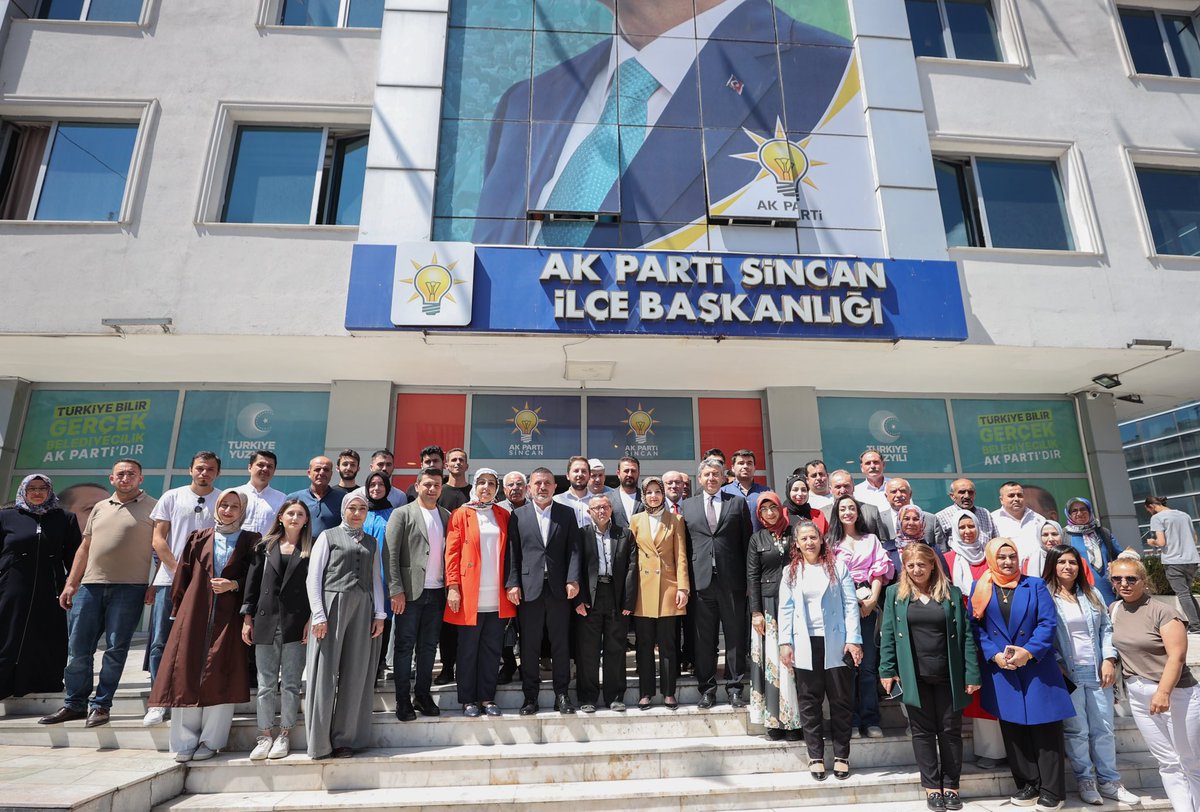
(819, 495)
(1015, 521)
(262, 501)
(179, 513)
(414, 567)
(384, 462)
(628, 498)
(576, 496)
(899, 494)
(873, 487)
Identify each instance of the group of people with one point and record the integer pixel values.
(831, 592)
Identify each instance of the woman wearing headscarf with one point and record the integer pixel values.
(345, 594)
(1014, 620)
(965, 564)
(203, 671)
(1050, 535)
(476, 602)
(798, 508)
(910, 529)
(377, 489)
(772, 689)
(663, 589)
(1096, 545)
(38, 540)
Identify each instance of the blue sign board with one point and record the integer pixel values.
(522, 426)
(647, 428)
(546, 290)
(235, 424)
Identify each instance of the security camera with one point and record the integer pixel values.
(1093, 395)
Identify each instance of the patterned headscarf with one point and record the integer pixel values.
(983, 587)
(51, 502)
(902, 540)
(780, 528)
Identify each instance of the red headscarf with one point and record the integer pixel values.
(780, 528)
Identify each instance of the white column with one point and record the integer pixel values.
(793, 431)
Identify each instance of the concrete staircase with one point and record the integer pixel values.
(646, 760)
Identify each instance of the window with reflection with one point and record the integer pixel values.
(96, 11)
(1161, 44)
(332, 13)
(954, 29)
(1171, 198)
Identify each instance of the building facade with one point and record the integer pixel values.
(536, 228)
(1162, 452)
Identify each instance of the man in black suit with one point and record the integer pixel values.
(841, 483)
(718, 531)
(627, 499)
(609, 566)
(543, 579)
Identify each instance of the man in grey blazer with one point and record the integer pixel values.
(841, 483)
(543, 579)
(718, 533)
(414, 566)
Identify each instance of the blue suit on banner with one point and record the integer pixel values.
(739, 83)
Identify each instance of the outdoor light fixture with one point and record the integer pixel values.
(1131, 398)
(1160, 343)
(140, 326)
(1108, 381)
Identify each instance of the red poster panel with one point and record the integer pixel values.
(423, 420)
(730, 424)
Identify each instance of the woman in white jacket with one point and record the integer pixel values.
(820, 638)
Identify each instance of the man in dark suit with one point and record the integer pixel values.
(414, 563)
(543, 578)
(627, 499)
(841, 483)
(718, 531)
(730, 84)
(604, 606)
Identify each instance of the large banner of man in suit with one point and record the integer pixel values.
(675, 121)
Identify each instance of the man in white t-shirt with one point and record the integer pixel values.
(179, 513)
(262, 501)
(1015, 521)
(819, 494)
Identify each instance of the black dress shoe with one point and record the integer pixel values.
(426, 706)
(563, 704)
(444, 677)
(706, 701)
(935, 801)
(405, 712)
(97, 717)
(1027, 796)
(343, 752)
(775, 734)
(63, 714)
(736, 699)
(529, 709)
(952, 799)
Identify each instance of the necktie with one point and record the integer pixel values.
(710, 510)
(602, 156)
(675, 508)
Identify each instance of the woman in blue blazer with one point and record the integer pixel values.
(1015, 620)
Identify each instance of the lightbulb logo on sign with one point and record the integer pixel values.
(641, 423)
(433, 284)
(781, 159)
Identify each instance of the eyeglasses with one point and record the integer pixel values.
(199, 505)
(37, 489)
(1125, 579)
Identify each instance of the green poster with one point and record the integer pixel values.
(94, 428)
(911, 434)
(1026, 436)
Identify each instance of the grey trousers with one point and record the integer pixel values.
(1180, 577)
(280, 670)
(341, 676)
(191, 727)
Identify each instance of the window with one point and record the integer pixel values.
(68, 170)
(1003, 203)
(1161, 44)
(107, 11)
(295, 175)
(1171, 198)
(957, 29)
(332, 13)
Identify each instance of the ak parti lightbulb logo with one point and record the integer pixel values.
(641, 423)
(782, 159)
(526, 421)
(433, 284)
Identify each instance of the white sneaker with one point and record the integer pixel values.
(1118, 793)
(281, 746)
(203, 753)
(261, 748)
(184, 756)
(1087, 792)
(874, 732)
(154, 716)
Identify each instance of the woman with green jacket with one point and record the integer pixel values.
(928, 648)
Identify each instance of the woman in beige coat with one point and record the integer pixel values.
(662, 591)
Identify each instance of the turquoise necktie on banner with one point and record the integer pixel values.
(602, 156)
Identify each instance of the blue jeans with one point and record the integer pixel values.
(1088, 735)
(866, 679)
(160, 627)
(418, 629)
(113, 609)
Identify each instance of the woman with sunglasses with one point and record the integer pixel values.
(1083, 642)
(1151, 637)
(38, 540)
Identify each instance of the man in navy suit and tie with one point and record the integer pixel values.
(543, 579)
(718, 529)
(675, 67)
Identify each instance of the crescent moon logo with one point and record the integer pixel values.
(255, 421)
(884, 426)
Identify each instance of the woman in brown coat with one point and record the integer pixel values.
(203, 671)
(662, 591)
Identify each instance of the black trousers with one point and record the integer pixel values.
(936, 735)
(448, 644)
(725, 609)
(1035, 756)
(600, 636)
(814, 687)
(658, 631)
(479, 650)
(554, 615)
